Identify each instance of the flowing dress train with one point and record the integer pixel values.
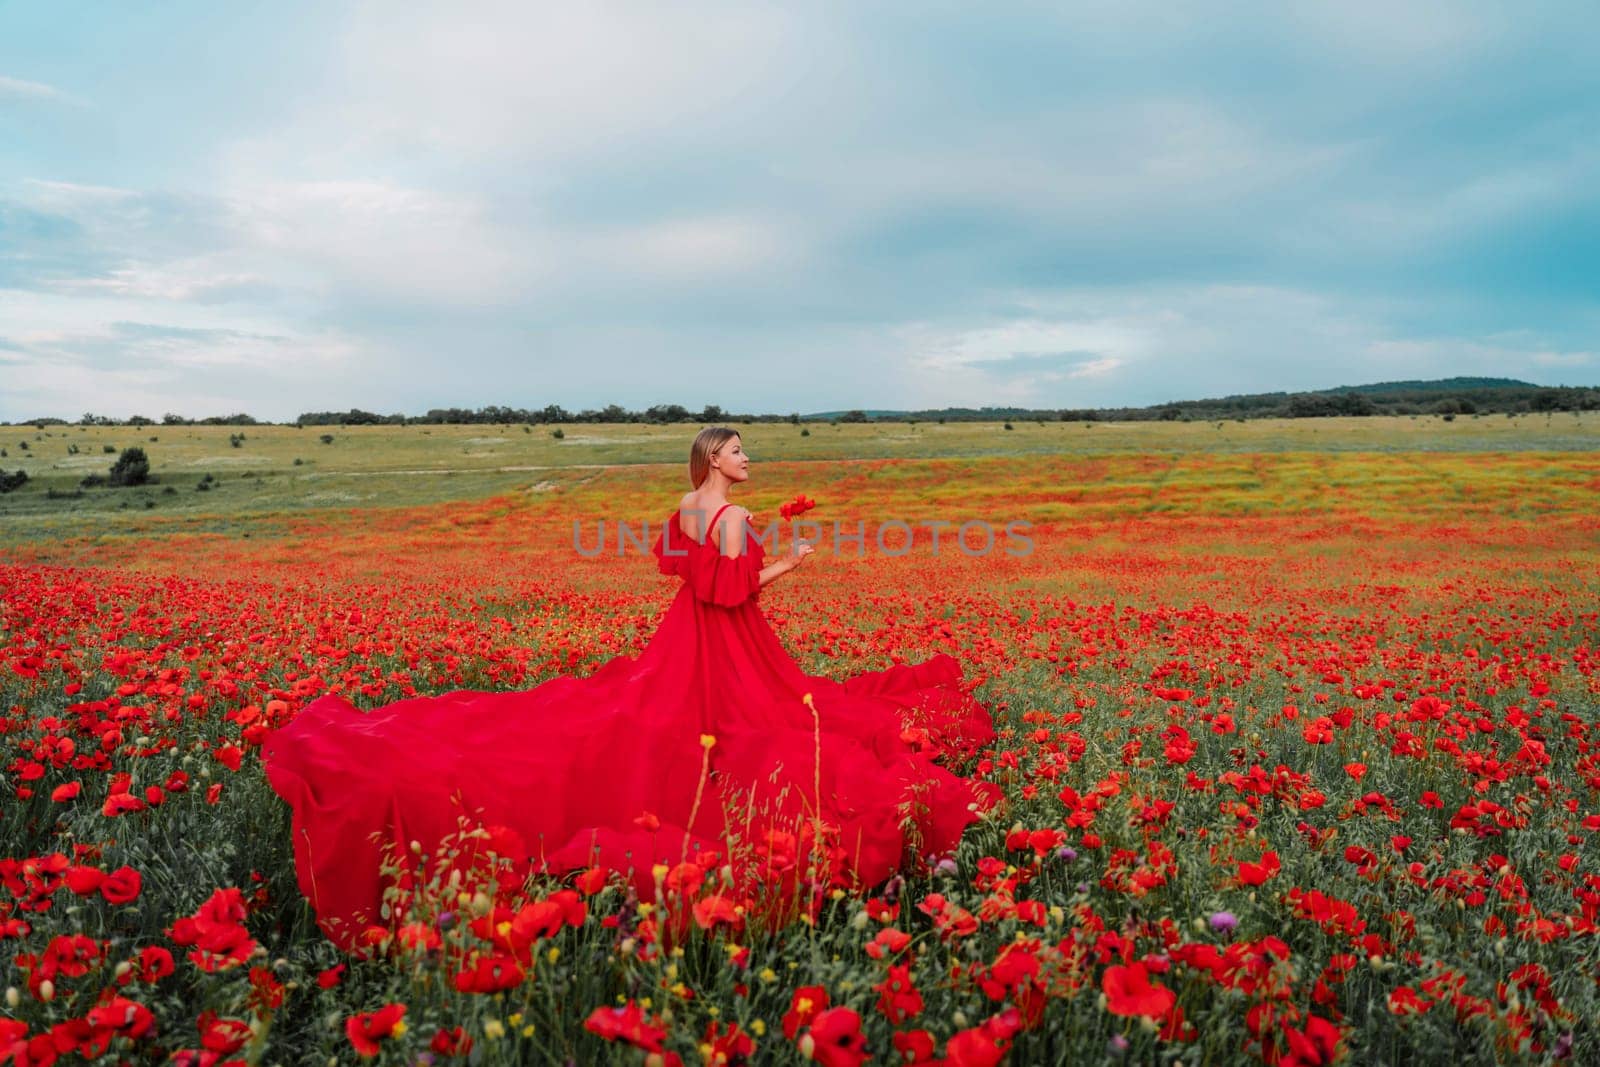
(710, 737)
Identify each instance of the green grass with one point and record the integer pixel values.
(284, 470)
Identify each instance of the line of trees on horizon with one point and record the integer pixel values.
(1461, 396)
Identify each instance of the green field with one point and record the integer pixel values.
(279, 469)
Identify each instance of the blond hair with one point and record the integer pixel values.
(706, 444)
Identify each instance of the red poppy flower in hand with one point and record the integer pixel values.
(797, 507)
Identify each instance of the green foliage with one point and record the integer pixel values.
(131, 468)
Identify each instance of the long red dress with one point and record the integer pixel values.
(611, 769)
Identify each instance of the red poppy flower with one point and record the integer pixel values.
(84, 880)
(223, 1037)
(368, 1028)
(807, 1003)
(1129, 991)
(898, 997)
(155, 963)
(628, 1023)
(451, 1042)
(1254, 874)
(490, 974)
(716, 909)
(835, 1039)
(121, 886)
(121, 804)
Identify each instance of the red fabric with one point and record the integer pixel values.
(573, 766)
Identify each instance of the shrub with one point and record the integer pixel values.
(326, 438)
(804, 432)
(108, 449)
(1010, 427)
(92, 481)
(8, 482)
(557, 433)
(131, 468)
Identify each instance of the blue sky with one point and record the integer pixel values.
(277, 208)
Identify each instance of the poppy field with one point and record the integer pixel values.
(1298, 752)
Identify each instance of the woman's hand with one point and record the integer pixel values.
(779, 567)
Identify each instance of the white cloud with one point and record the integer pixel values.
(1494, 356)
(528, 83)
(191, 281)
(1417, 35)
(687, 249)
(70, 197)
(1015, 362)
(826, 207)
(1141, 345)
(385, 238)
(20, 89)
(69, 353)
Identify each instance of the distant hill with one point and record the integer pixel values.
(1445, 396)
(1441, 383)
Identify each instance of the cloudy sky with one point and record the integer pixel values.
(281, 207)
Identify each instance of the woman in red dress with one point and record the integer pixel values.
(712, 743)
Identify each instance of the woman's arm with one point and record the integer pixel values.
(778, 568)
(773, 571)
(739, 533)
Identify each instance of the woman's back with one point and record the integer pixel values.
(703, 517)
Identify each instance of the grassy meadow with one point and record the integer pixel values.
(280, 469)
(1298, 726)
